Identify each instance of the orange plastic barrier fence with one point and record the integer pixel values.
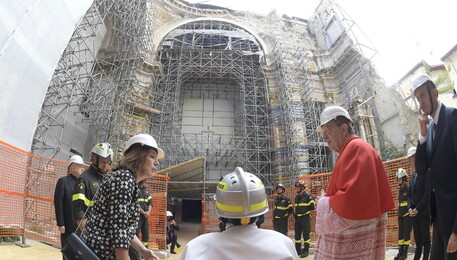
(27, 184)
(316, 183)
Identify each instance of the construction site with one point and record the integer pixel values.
(216, 88)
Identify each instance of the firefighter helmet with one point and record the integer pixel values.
(169, 214)
(280, 186)
(401, 173)
(240, 195)
(104, 150)
(300, 184)
(147, 140)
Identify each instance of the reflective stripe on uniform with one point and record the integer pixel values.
(80, 196)
(404, 242)
(307, 241)
(143, 200)
(305, 204)
(282, 208)
(403, 203)
(307, 212)
(298, 241)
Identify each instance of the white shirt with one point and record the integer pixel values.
(241, 242)
(422, 139)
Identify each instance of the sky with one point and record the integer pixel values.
(403, 32)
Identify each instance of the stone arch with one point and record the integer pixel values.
(163, 31)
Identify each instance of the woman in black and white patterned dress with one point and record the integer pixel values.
(114, 219)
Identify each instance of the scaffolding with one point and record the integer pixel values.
(274, 118)
(93, 86)
(298, 149)
(217, 65)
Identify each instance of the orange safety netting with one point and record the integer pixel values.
(316, 183)
(27, 184)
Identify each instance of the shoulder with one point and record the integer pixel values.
(359, 143)
(123, 177)
(205, 239)
(274, 235)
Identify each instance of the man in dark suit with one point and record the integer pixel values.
(437, 155)
(419, 207)
(63, 198)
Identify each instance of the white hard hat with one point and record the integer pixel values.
(144, 139)
(169, 214)
(411, 151)
(104, 150)
(419, 80)
(240, 195)
(401, 173)
(76, 159)
(332, 112)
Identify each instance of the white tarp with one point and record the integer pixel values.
(33, 35)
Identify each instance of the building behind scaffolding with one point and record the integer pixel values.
(232, 88)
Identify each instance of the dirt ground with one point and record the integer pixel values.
(40, 251)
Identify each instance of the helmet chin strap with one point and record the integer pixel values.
(103, 173)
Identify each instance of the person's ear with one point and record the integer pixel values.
(345, 128)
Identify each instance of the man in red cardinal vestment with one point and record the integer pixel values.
(352, 214)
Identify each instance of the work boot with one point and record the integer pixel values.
(305, 252)
(400, 252)
(404, 254)
(418, 252)
(178, 245)
(426, 251)
(298, 248)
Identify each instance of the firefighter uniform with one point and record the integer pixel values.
(304, 203)
(145, 201)
(405, 223)
(282, 209)
(85, 188)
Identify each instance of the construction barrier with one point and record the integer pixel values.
(315, 183)
(27, 185)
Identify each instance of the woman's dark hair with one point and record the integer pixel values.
(134, 158)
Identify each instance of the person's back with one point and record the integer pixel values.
(240, 200)
(241, 242)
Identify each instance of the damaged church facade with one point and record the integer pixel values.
(236, 88)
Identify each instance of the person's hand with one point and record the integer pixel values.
(146, 214)
(173, 222)
(412, 212)
(452, 244)
(62, 229)
(147, 254)
(423, 121)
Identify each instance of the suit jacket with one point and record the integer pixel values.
(439, 159)
(419, 194)
(63, 203)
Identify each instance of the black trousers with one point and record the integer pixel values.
(439, 247)
(421, 225)
(405, 225)
(280, 225)
(143, 228)
(302, 227)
